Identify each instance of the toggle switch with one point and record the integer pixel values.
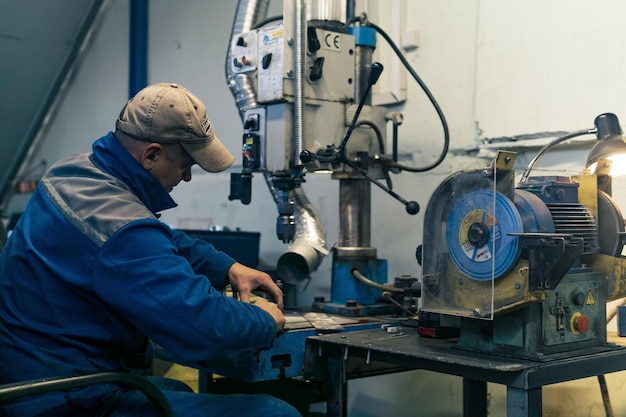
(252, 122)
(266, 60)
(317, 69)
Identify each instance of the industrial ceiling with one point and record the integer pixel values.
(40, 44)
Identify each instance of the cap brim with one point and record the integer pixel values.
(211, 156)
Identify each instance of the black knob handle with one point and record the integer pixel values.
(317, 69)
(307, 156)
(375, 71)
(412, 207)
(313, 40)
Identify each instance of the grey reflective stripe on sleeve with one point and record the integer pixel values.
(95, 202)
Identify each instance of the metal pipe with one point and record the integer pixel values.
(354, 213)
(549, 146)
(350, 10)
(138, 47)
(355, 194)
(362, 62)
(365, 280)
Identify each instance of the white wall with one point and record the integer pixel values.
(496, 67)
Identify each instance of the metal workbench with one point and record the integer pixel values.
(339, 357)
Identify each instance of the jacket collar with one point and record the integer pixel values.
(112, 157)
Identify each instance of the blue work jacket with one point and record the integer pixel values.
(90, 276)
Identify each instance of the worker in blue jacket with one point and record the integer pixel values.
(90, 277)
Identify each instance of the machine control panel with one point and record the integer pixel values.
(572, 314)
(244, 52)
(253, 136)
(271, 50)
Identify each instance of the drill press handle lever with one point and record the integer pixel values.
(335, 155)
(375, 71)
(412, 207)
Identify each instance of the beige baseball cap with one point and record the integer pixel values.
(169, 113)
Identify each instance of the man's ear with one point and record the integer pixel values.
(150, 154)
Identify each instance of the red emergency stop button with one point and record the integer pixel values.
(579, 323)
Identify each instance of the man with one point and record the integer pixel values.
(90, 276)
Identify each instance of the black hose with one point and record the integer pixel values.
(379, 135)
(431, 98)
(15, 391)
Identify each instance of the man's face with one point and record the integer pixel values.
(172, 165)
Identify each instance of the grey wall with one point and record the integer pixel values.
(497, 68)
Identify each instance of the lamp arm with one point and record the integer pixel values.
(549, 146)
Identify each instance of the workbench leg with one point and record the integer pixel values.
(474, 398)
(523, 403)
(336, 404)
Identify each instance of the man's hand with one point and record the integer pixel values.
(246, 280)
(274, 311)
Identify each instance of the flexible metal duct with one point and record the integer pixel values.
(242, 86)
(309, 247)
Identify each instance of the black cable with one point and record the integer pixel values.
(606, 401)
(379, 135)
(381, 146)
(431, 98)
(354, 20)
(15, 391)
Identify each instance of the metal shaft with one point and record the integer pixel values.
(355, 193)
(354, 212)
